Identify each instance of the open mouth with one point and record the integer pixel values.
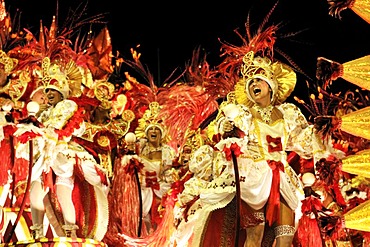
(256, 91)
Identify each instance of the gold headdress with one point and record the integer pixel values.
(54, 78)
(62, 79)
(9, 63)
(193, 139)
(279, 76)
(149, 119)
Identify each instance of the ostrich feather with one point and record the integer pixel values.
(185, 107)
(263, 42)
(187, 104)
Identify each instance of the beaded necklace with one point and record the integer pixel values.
(265, 112)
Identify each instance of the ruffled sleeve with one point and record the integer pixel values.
(302, 137)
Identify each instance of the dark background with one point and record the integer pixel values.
(167, 33)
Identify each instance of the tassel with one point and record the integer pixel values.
(308, 231)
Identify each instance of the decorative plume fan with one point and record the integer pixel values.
(360, 7)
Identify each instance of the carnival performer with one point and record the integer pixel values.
(165, 233)
(140, 184)
(261, 130)
(55, 154)
(15, 88)
(189, 205)
(105, 126)
(157, 158)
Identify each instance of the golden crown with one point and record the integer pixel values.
(54, 78)
(258, 67)
(150, 118)
(279, 76)
(194, 139)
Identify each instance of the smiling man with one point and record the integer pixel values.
(59, 155)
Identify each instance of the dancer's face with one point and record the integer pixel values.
(154, 134)
(53, 96)
(259, 90)
(40, 97)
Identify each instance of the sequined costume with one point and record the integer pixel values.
(56, 155)
(261, 142)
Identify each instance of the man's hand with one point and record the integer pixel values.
(43, 107)
(228, 126)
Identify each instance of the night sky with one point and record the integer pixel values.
(167, 33)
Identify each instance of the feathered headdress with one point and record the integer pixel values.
(255, 58)
(261, 44)
(183, 105)
(57, 45)
(187, 104)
